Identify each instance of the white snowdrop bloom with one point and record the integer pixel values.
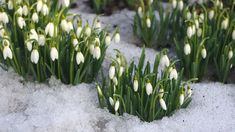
(50, 29)
(41, 40)
(34, 56)
(201, 17)
(189, 92)
(45, 10)
(148, 22)
(65, 3)
(107, 40)
(140, 11)
(19, 11)
(70, 26)
(21, 22)
(78, 32)
(181, 98)
(181, 5)
(96, 53)
(196, 22)
(174, 4)
(25, 10)
(117, 38)
(75, 42)
(4, 17)
(233, 35)
(29, 45)
(54, 54)
(91, 48)
(115, 81)
(97, 41)
(199, 32)
(164, 61)
(149, 88)
(88, 31)
(98, 25)
(33, 34)
(211, 14)
(173, 74)
(39, 5)
(117, 105)
(7, 53)
(193, 29)
(163, 104)
(225, 23)
(35, 17)
(112, 72)
(187, 49)
(189, 32)
(111, 101)
(221, 5)
(217, 3)
(150, 1)
(135, 85)
(188, 15)
(230, 54)
(64, 25)
(79, 58)
(10, 5)
(118, 59)
(121, 70)
(161, 92)
(203, 53)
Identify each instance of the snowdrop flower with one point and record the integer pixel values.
(203, 53)
(112, 72)
(117, 38)
(64, 25)
(91, 48)
(88, 31)
(4, 17)
(140, 11)
(98, 25)
(225, 23)
(7, 53)
(148, 22)
(25, 10)
(34, 56)
(173, 74)
(164, 61)
(161, 92)
(187, 49)
(70, 26)
(188, 15)
(66, 3)
(149, 88)
(35, 17)
(96, 52)
(108, 40)
(21, 22)
(181, 5)
(79, 58)
(174, 4)
(233, 35)
(111, 101)
(189, 92)
(29, 45)
(10, 5)
(33, 34)
(121, 70)
(201, 17)
(54, 54)
(230, 54)
(189, 32)
(75, 42)
(115, 81)
(221, 5)
(41, 40)
(39, 5)
(78, 32)
(45, 10)
(163, 104)
(19, 11)
(211, 14)
(150, 1)
(117, 104)
(181, 98)
(135, 85)
(199, 32)
(50, 29)
(196, 21)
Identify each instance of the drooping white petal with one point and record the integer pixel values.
(34, 56)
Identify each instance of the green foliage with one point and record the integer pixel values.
(149, 93)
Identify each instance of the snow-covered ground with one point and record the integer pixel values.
(53, 107)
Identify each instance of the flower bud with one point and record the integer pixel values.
(117, 105)
(91, 48)
(188, 15)
(107, 40)
(70, 26)
(117, 38)
(25, 10)
(135, 85)
(187, 49)
(225, 23)
(181, 98)
(45, 10)
(41, 40)
(98, 25)
(174, 4)
(111, 101)
(79, 58)
(112, 72)
(66, 3)
(203, 53)
(4, 17)
(50, 29)
(115, 81)
(189, 92)
(99, 91)
(7, 53)
(35, 17)
(199, 32)
(164, 61)
(201, 18)
(149, 88)
(78, 32)
(54, 54)
(96, 52)
(21, 22)
(29, 45)
(121, 70)
(19, 11)
(75, 42)
(173, 74)
(163, 104)
(34, 56)
(140, 11)
(161, 92)
(189, 32)
(211, 14)
(230, 54)
(10, 5)
(39, 5)
(64, 25)
(233, 35)
(181, 5)
(148, 22)
(33, 35)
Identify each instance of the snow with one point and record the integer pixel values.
(53, 106)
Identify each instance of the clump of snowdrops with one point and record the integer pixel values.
(147, 92)
(209, 38)
(39, 41)
(155, 32)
